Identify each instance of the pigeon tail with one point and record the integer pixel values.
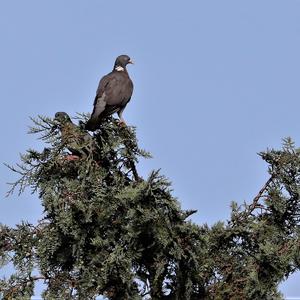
(92, 124)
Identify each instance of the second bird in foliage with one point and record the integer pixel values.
(78, 142)
(113, 93)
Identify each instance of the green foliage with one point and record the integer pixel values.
(107, 231)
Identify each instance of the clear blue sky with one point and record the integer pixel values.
(215, 83)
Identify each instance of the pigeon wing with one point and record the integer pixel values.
(99, 103)
(113, 93)
(118, 92)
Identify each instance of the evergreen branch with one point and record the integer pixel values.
(243, 215)
(19, 287)
(259, 195)
(103, 232)
(136, 176)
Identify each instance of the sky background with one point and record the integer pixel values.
(216, 82)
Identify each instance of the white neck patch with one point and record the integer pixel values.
(119, 68)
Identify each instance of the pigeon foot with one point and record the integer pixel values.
(72, 157)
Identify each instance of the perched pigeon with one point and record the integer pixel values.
(113, 93)
(78, 142)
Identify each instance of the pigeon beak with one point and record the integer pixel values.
(131, 62)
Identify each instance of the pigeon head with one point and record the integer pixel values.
(62, 117)
(121, 62)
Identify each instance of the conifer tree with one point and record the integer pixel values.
(108, 231)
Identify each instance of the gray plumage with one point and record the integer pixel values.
(113, 93)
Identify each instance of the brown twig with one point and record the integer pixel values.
(260, 193)
(250, 208)
(11, 291)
